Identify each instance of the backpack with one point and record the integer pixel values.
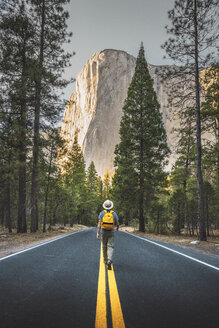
(107, 221)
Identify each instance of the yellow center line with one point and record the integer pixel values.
(101, 318)
(116, 310)
(101, 309)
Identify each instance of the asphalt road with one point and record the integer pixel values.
(55, 285)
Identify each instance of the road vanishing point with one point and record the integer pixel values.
(64, 283)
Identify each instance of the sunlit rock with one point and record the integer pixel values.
(95, 108)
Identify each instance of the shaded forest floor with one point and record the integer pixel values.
(211, 246)
(14, 242)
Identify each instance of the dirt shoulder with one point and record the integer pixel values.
(211, 246)
(14, 242)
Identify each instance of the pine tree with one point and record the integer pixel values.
(92, 197)
(210, 119)
(100, 193)
(17, 36)
(192, 33)
(49, 172)
(143, 147)
(124, 189)
(75, 180)
(107, 183)
(7, 166)
(51, 33)
(210, 112)
(92, 178)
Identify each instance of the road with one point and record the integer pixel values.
(63, 284)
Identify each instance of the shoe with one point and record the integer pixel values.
(109, 267)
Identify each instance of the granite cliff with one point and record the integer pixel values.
(95, 108)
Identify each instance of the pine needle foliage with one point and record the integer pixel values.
(141, 154)
(193, 33)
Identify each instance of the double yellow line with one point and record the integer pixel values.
(101, 308)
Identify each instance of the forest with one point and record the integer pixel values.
(37, 192)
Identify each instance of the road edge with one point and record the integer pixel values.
(41, 244)
(172, 250)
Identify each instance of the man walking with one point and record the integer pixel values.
(107, 220)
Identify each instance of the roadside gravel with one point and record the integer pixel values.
(211, 246)
(14, 242)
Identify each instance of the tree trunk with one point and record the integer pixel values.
(45, 208)
(8, 206)
(72, 221)
(193, 228)
(126, 219)
(47, 189)
(34, 186)
(21, 221)
(8, 194)
(158, 221)
(141, 195)
(178, 227)
(217, 177)
(2, 213)
(207, 215)
(189, 229)
(198, 136)
(141, 211)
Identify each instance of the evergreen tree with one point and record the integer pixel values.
(92, 197)
(184, 166)
(143, 147)
(92, 178)
(49, 172)
(75, 180)
(100, 193)
(107, 183)
(51, 34)
(124, 189)
(210, 112)
(210, 119)
(159, 215)
(17, 36)
(7, 166)
(192, 32)
(32, 61)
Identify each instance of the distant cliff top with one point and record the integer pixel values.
(105, 51)
(95, 108)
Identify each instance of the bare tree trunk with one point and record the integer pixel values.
(47, 189)
(8, 207)
(158, 221)
(189, 229)
(201, 216)
(8, 195)
(178, 227)
(45, 205)
(207, 214)
(34, 185)
(2, 213)
(72, 221)
(21, 221)
(141, 209)
(193, 228)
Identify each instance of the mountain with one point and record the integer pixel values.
(95, 108)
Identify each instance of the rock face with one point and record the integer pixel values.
(95, 108)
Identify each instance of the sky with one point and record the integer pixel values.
(116, 24)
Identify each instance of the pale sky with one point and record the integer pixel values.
(116, 24)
